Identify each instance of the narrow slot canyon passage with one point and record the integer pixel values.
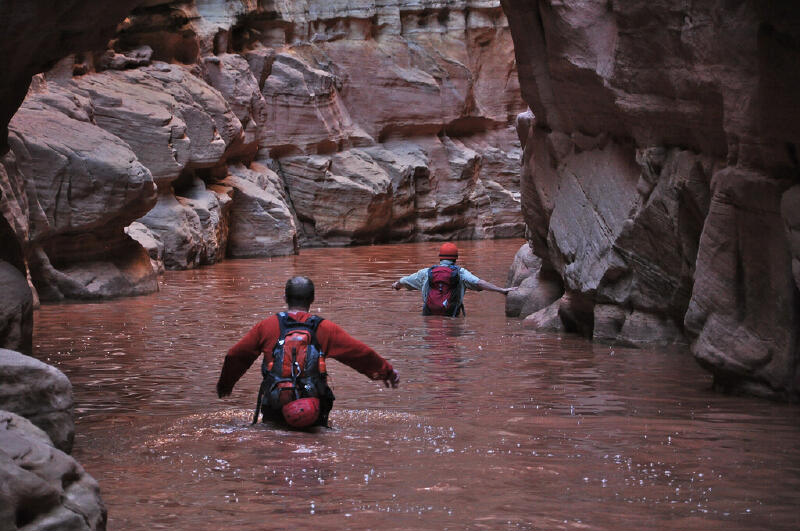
(493, 426)
(628, 170)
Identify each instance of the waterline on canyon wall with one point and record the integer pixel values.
(493, 427)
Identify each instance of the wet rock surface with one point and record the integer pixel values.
(656, 194)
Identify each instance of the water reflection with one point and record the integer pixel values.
(494, 426)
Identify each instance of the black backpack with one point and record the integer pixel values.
(297, 369)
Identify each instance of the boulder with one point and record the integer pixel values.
(39, 392)
(743, 313)
(536, 288)
(16, 312)
(545, 320)
(43, 487)
(261, 220)
(340, 199)
(193, 228)
(82, 187)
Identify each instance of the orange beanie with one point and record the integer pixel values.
(448, 251)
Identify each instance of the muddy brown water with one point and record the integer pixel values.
(494, 426)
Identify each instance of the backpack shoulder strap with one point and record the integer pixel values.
(283, 319)
(313, 322)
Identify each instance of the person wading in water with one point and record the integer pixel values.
(443, 286)
(296, 345)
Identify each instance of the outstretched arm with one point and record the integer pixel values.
(400, 284)
(484, 285)
(341, 346)
(414, 281)
(242, 355)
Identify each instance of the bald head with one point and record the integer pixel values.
(299, 293)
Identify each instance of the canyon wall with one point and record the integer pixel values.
(660, 179)
(207, 129)
(188, 131)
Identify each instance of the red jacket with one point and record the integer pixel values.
(335, 342)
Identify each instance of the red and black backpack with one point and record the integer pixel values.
(297, 369)
(444, 291)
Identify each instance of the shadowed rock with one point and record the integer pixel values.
(38, 392)
(660, 144)
(43, 487)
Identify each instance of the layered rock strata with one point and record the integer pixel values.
(77, 187)
(242, 129)
(659, 178)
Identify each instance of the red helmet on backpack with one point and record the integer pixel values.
(302, 412)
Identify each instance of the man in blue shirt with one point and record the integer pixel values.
(443, 286)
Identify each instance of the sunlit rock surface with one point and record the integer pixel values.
(43, 487)
(660, 154)
(39, 392)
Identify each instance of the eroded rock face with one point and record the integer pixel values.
(655, 242)
(82, 186)
(39, 392)
(43, 487)
(261, 221)
(29, 47)
(405, 109)
(338, 98)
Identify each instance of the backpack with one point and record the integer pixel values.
(443, 291)
(297, 369)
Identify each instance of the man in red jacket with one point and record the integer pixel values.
(334, 342)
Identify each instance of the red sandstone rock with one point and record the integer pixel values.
(261, 221)
(406, 106)
(82, 186)
(637, 106)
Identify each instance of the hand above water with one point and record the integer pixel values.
(392, 379)
(222, 392)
